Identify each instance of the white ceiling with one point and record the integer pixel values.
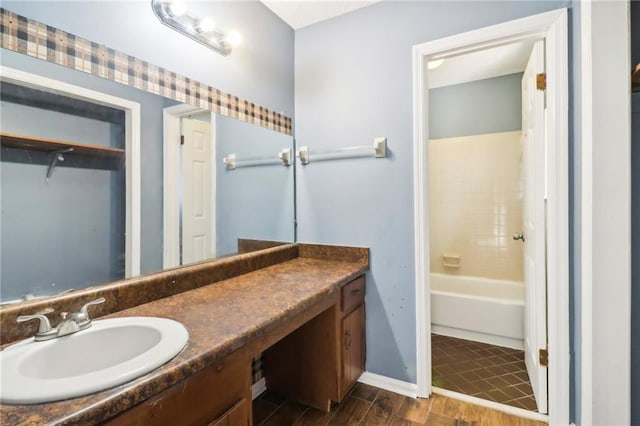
(300, 13)
(488, 63)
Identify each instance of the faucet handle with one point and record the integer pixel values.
(44, 327)
(85, 308)
(82, 317)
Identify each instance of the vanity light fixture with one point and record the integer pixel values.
(174, 14)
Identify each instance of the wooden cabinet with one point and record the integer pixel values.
(352, 327)
(220, 391)
(304, 365)
(322, 360)
(353, 348)
(238, 415)
(315, 358)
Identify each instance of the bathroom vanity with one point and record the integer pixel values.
(301, 305)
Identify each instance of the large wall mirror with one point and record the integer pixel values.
(66, 213)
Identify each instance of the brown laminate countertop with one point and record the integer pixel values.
(220, 318)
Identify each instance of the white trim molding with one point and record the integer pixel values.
(132, 149)
(552, 27)
(586, 237)
(605, 255)
(389, 384)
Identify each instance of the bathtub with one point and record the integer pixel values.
(480, 309)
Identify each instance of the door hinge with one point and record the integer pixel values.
(544, 357)
(541, 81)
(181, 139)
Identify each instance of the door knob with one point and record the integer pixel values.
(518, 236)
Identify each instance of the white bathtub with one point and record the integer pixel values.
(480, 309)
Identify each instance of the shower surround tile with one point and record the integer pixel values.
(485, 371)
(475, 203)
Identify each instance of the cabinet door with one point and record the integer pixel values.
(353, 348)
(214, 390)
(238, 415)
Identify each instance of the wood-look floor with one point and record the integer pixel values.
(367, 405)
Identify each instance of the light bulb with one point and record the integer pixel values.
(434, 64)
(233, 38)
(206, 25)
(177, 8)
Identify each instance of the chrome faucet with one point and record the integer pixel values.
(68, 325)
(71, 323)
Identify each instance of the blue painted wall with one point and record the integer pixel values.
(251, 202)
(260, 69)
(491, 105)
(353, 83)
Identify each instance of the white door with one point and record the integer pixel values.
(197, 191)
(533, 151)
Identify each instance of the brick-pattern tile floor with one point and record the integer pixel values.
(481, 370)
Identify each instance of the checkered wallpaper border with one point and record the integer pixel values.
(33, 38)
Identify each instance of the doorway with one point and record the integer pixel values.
(486, 185)
(189, 185)
(545, 241)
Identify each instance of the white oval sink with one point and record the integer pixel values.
(109, 353)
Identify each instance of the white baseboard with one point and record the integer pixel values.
(389, 384)
(258, 387)
(491, 339)
(520, 412)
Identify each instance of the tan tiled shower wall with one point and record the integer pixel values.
(475, 205)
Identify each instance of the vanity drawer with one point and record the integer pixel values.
(352, 294)
(238, 415)
(215, 392)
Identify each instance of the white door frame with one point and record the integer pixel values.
(171, 180)
(132, 149)
(552, 26)
(605, 213)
